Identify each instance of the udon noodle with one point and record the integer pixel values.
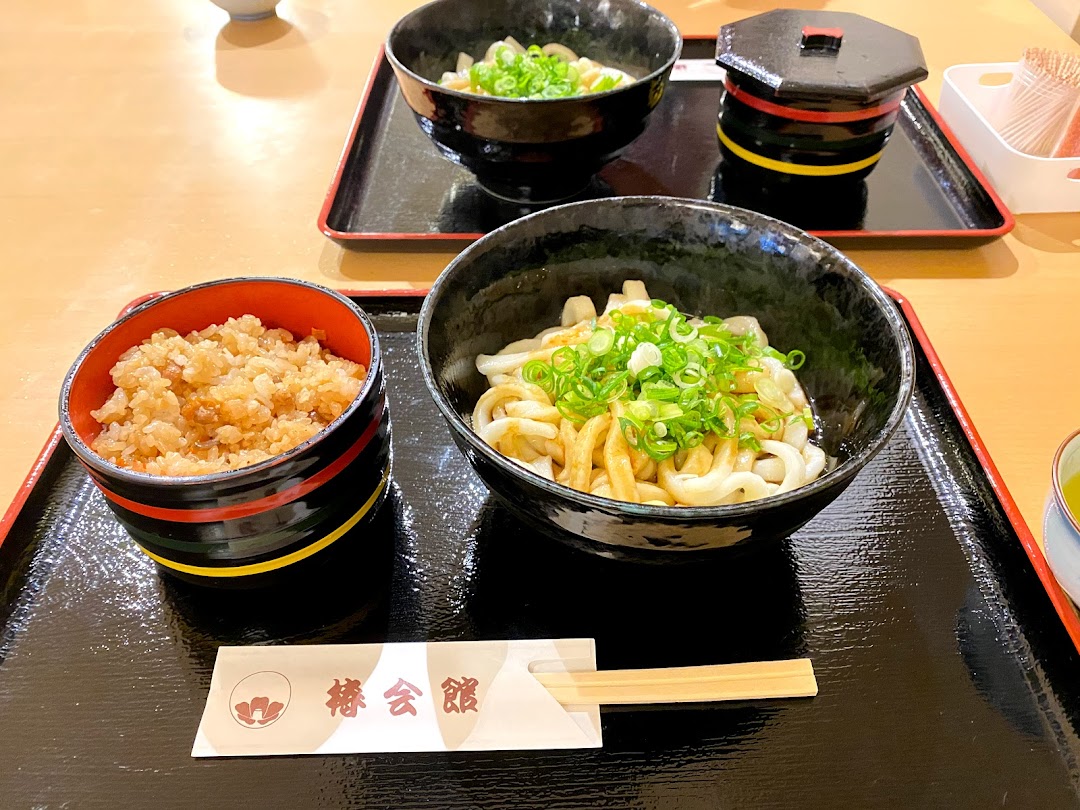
(646, 405)
(510, 70)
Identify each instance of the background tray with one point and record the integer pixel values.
(391, 184)
(945, 678)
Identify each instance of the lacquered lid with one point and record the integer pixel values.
(821, 55)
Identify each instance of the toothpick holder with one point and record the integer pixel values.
(1028, 185)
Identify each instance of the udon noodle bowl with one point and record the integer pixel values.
(225, 397)
(644, 404)
(510, 70)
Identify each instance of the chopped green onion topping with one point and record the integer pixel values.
(601, 341)
(677, 381)
(533, 74)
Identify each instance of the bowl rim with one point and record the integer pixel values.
(92, 459)
(397, 64)
(843, 472)
(1055, 480)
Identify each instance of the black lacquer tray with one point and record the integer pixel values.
(392, 185)
(945, 678)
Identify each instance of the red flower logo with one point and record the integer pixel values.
(266, 710)
(272, 694)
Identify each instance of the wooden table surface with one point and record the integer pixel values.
(151, 144)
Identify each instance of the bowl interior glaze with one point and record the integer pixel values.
(707, 259)
(624, 34)
(278, 303)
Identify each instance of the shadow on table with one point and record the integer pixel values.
(895, 259)
(269, 58)
(1052, 233)
(391, 264)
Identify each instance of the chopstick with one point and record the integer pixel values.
(749, 681)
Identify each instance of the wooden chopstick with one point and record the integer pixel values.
(750, 681)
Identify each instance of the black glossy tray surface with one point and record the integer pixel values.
(394, 184)
(946, 679)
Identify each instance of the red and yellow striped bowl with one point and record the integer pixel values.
(802, 141)
(244, 527)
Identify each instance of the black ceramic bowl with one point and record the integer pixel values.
(527, 150)
(252, 525)
(705, 258)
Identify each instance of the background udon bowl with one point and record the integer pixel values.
(250, 526)
(528, 150)
(705, 258)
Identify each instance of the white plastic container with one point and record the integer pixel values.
(1027, 185)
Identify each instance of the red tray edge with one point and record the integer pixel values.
(1069, 616)
(339, 172)
(1008, 221)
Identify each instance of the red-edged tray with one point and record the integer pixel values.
(1066, 611)
(391, 184)
(919, 594)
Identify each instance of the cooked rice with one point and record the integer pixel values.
(221, 398)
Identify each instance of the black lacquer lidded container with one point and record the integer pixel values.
(810, 97)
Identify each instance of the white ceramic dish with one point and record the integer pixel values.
(1062, 549)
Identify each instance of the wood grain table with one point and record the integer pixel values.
(151, 144)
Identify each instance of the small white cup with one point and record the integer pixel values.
(1061, 528)
(248, 10)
